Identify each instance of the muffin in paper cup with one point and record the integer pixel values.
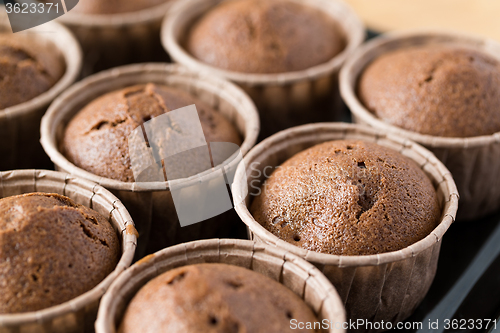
(110, 40)
(151, 203)
(283, 99)
(387, 286)
(78, 314)
(302, 278)
(473, 161)
(20, 124)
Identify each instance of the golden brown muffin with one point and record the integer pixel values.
(27, 69)
(214, 298)
(96, 139)
(52, 250)
(348, 198)
(264, 36)
(114, 6)
(441, 90)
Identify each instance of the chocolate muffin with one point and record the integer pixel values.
(52, 251)
(214, 298)
(27, 69)
(114, 6)
(264, 36)
(96, 139)
(348, 198)
(440, 90)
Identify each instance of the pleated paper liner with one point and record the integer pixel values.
(79, 314)
(473, 161)
(151, 204)
(118, 39)
(20, 124)
(283, 99)
(386, 286)
(298, 275)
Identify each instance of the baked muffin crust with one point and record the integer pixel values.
(96, 139)
(51, 251)
(27, 69)
(441, 90)
(114, 6)
(214, 298)
(348, 198)
(264, 36)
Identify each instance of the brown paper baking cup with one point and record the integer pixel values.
(20, 124)
(118, 39)
(387, 286)
(283, 99)
(473, 161)
(77, 315)
(302, 278)
(151, 204)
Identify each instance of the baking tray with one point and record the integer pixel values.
(466, 289)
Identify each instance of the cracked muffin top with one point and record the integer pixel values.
(52, 250)
(114, 6)
(214, 298)
(264, 36)
(441, 90)
(348, 198)
(96, 139)
(27, 69)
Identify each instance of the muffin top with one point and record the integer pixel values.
(348, 198)
(27, 69)
(96, 139)
(114, 6)
(53, 250)
(264, 36)
(441, 90)
(214, 298)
